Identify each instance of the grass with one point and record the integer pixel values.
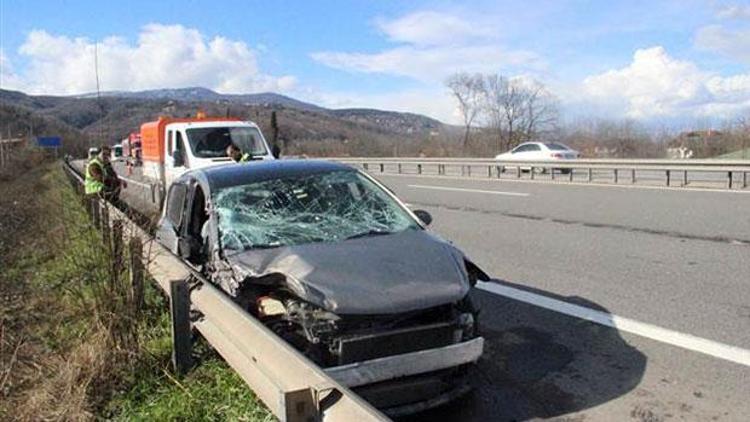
(70, 346)
(735, 155)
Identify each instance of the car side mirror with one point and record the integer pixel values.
(178, 160)
(275, 151)
(423, 216)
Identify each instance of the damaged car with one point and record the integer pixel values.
(334, 263)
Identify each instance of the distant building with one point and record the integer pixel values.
(697, 143)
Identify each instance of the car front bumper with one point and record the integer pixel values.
(407, 364)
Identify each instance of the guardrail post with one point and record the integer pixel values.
(104, 223)
(615, 176)
(744, 179)
(117, 246)
(489, 171)
(365, 166)
(668, 177)
(399, 168)
(518, 172)
(468, 170)
(552, 172)
(632, 176)
(182, 343)
(382, 167)
(590, 174)
(729, 180)
(95, 212)
(419, 169)
(497, 169)
(684, 178)
(153, 193)
(570, 175)
(531, 173)
(135, 252)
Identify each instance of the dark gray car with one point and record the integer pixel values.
(336, 265)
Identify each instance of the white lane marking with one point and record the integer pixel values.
(494, 192)
(686, 341)
(564, 183)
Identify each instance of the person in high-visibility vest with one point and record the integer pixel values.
(101, 179)
(234, 152)
(94, 182)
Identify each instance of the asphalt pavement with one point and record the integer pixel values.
(678, 260)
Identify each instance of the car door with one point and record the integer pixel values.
(175, 162)
(168, 233)
(521, 152)
(533, 152)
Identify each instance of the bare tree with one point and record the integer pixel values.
(518, 110)
(468, 91)
(743, 131)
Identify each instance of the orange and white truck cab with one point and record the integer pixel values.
(172, 146)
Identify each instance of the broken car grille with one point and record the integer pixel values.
(357, 348)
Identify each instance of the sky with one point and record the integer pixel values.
(651, 60)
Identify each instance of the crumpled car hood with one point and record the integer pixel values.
(372, 275)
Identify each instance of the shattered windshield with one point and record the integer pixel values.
(325, 207)
(212, 142)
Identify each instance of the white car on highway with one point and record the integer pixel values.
(539, 151)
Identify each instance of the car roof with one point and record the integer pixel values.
(235, 174)
(543, 144)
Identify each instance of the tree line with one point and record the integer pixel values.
(498, 113)
(513, 110)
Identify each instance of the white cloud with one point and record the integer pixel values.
(8, 78)
(430, 64)
(432, 46)
(656, 85)
(432, 28)
(165, 56)
(734, 12)
(734, 44)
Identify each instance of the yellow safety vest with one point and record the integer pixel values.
(91, 185)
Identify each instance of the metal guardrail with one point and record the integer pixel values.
(735, 172)
(289, 384)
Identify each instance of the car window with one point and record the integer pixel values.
(325, 207)
(556, 147)
(527, 148)
(212, 142)
(176, 203)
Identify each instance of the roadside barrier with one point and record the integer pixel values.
(289, 384)
(732, 174)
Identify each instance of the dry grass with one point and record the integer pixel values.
(66, 335)
(71, 347)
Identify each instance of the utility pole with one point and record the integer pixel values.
(98, 92)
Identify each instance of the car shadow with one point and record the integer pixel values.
(541, 364)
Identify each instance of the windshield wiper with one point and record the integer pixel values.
(369, 233)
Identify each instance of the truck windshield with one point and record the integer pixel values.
(325, 207)
(212, 142)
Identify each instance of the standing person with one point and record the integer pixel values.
(234, 152)
(101, 178)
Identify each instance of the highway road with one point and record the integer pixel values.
(677, 260)
(670, 268)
